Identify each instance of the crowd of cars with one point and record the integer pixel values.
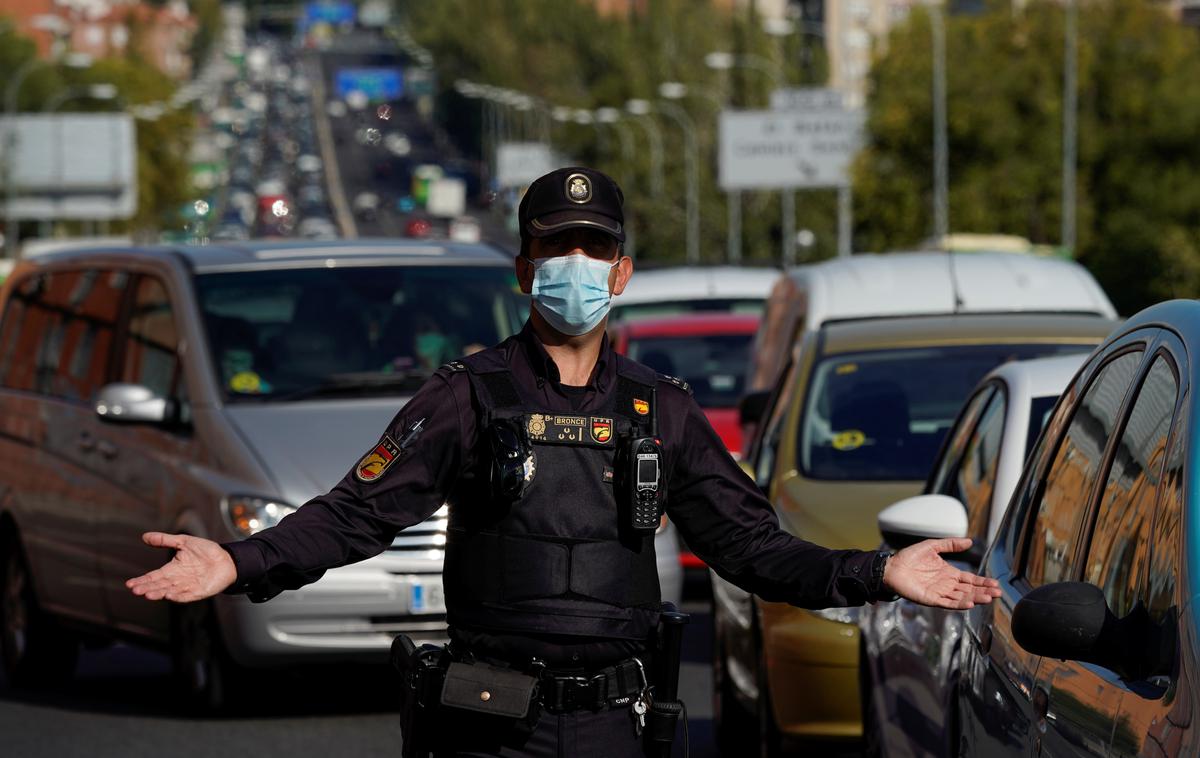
(276, 184)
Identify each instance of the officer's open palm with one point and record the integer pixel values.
(920, 574)
(200, 568)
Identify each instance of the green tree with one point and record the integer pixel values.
(565, 53)
(1138, 186)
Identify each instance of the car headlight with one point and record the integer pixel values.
(840, 615)
(247, 515)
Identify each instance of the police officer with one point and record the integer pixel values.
(550, 566)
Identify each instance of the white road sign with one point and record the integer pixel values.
(788, 149)
(71, 165)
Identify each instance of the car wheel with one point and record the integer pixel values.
(35, 649)
(733, 726)
(770, 740)
(872, 743)
(203, 668)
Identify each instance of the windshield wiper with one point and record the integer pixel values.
(357, 383)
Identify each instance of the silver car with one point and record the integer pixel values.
(211, 391)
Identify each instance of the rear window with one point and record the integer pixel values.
(293, 334)
(881, 415)
(714, 364)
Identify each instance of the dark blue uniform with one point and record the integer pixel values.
(718, 510)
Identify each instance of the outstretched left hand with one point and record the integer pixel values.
(920, 574)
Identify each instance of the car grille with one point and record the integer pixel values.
(429, 535)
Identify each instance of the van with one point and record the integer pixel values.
(250, 379)
(915, 283)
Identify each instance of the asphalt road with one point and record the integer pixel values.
(123, 702)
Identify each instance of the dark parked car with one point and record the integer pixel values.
(1091, 648)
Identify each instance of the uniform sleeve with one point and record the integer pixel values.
(398, 482)
(730, 525)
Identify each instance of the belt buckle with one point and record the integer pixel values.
(578, 689)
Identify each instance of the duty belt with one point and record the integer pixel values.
(612, 687)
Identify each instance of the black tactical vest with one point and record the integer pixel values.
(557, 560)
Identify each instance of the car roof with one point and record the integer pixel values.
(697, 283)
(259, 254)
(963, 329)
(1039, 377)
(936, 282)
(691, 323)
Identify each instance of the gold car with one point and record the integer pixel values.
(853, 425)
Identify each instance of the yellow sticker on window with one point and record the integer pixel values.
(246, 382)
(846, 368)
(851, 439)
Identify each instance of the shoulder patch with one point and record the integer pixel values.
(454, 367)
(677, 382)
(379, 460)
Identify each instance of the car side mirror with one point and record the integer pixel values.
(752, 407)
(923, 517)
(132, 404)
(1072, 621)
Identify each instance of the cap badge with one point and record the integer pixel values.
(579, 189)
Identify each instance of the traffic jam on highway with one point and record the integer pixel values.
(345, 247)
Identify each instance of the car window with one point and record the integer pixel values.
(764, 465)
(975, 479)
(152, 340)
(372, 330)
(58, 333)
(1165, 535)
(713, 364)
(882, 415)
(1120, 548)
(952, 452)
(1076, 464)
(1040, 409)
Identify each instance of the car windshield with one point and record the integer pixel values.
(667, 308)
(292, 334)
(714, 364)
(882, 415)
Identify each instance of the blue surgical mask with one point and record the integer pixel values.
(571, 292)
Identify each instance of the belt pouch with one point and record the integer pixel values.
(487, 689)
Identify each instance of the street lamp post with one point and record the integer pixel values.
(677, 114)
(612, 117)
(941, 169)
(654, 138)
(1070, 135)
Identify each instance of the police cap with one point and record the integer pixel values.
(569, 198)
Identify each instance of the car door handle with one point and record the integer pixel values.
(107, 449)
(87, 442)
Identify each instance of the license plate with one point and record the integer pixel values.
(426, 596)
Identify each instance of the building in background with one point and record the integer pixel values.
(162, 34)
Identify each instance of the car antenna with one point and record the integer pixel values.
(958, 301)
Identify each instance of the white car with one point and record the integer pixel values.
(677, 290)
(908, 656)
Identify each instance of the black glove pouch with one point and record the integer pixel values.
(489, 690)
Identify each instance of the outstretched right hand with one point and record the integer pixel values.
(201, 568)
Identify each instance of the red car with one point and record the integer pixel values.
(711, 352)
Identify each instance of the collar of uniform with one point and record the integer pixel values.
(545, 368)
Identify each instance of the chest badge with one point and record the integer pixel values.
(374, 463)
(601, 429)
(641, 406)
(536, 426)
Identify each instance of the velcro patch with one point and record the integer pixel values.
(374, 463)
(570, 429)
